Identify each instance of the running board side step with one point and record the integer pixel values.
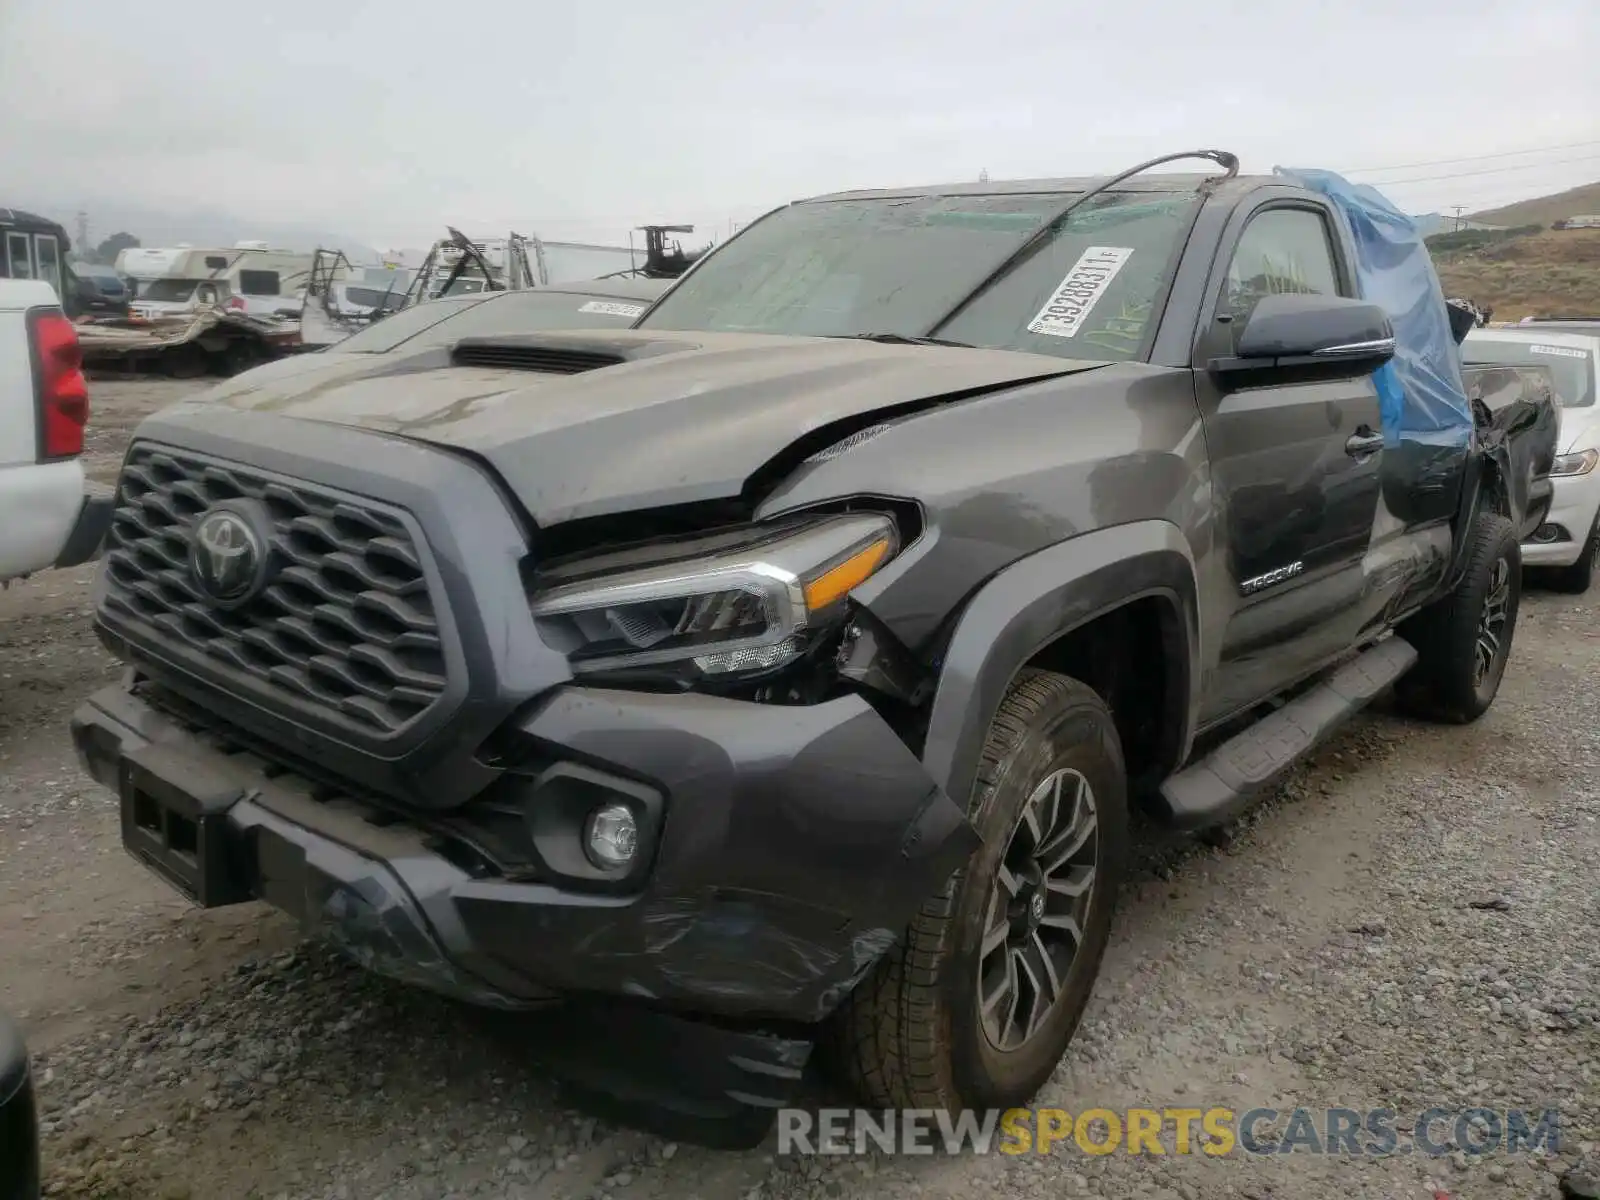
(1222, 783)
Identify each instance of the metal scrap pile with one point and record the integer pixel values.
(184, 345)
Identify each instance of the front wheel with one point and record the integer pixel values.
(1463, 641)
(976, 1006)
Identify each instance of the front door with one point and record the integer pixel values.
(1294, 468)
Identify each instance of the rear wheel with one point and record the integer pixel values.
(1463, 641)
(976, 1007)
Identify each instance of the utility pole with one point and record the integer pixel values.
(983, 175)
(1460, 208)
(83, 233)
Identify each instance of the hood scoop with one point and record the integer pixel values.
(503, 355)
(557, 354)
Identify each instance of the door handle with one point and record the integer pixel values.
(1363, 442)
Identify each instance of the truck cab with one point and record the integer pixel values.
(33, 247)
(248, 279)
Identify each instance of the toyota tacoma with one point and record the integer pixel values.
(780, 671)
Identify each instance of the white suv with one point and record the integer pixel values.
(1569, 540)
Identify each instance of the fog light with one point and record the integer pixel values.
(611, 836)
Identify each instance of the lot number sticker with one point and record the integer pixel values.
(612, 309)
(1560, 351)
(1064, 313)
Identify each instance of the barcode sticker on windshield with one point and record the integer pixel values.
(1064, 313)
(612, 309)
(1560, 351)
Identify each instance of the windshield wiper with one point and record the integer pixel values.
(900, 339)
(1041, 235)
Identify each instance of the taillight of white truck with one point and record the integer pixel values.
(61, 392)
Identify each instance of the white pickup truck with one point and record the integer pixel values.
(52, 516)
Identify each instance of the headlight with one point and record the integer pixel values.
(1580, 463)
(752, 607)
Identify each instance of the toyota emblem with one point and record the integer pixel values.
(227, 556)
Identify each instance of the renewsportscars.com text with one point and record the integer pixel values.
(1215, 1132)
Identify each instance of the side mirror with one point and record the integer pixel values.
(1310, 337)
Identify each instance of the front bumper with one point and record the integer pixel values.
(1574, 503)
(796, 843)
(89, 530)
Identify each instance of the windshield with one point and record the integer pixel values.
(465, 286)
(104, 282)
(499, 314)
(1572, 369)
(896, 265)
(173, 290)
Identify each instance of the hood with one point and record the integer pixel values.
(682, 417)
(295, 372)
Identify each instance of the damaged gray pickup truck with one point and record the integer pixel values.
(781, 671)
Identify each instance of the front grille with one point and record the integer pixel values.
(345, 630)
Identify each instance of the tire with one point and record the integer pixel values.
(1576, 579)
(1451, 681)
(912, 1034)
(239, 355)
(19, 1118)
(184, 361)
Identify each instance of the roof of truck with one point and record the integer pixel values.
(20, 218)
(1173, 182)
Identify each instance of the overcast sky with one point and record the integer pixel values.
(576, 121)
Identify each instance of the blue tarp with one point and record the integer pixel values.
(1421, 392)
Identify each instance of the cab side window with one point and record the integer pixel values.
(1281, 250)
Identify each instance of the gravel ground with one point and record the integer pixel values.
(1409, 922)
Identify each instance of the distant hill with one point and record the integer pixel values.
(1543, 210)
(1522, 272)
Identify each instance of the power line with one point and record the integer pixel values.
(1442, 162)
(1559, 162)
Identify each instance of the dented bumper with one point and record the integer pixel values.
(794, 844)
